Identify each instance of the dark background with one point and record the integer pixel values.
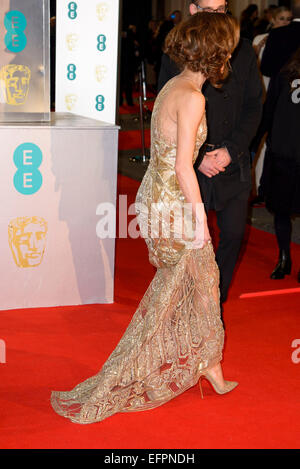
(139, 12)
(52, 7)
(136, 12)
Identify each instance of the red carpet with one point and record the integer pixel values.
(125, 109)
(135, 109)
(131, 139)
(54, 349)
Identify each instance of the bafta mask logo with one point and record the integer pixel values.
(71, 100)
(101, 72)
(72, 41)
(15, 80)
(102, 10)
(27, 240)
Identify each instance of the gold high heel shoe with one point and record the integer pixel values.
(229, 385)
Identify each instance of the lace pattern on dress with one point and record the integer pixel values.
(176, 332)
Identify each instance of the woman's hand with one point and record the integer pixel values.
(202, 235)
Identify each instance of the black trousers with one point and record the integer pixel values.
(232, 223)
(126, 86)
(283, 230)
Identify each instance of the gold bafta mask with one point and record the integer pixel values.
(72, 41)
(101, 72)
(102, 10)
(15, 80)
(70, 100)
(27, 240)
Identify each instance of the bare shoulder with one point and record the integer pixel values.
(191, 103)
(184, 102)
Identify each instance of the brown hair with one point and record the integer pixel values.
(203, 44)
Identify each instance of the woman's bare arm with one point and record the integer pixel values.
(191, 108)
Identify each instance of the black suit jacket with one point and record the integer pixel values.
(281, 44)
(233, 115)
(281, 175)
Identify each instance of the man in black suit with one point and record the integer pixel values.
(281, 44)
(223, 166)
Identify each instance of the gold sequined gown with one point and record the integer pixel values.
(176, 333)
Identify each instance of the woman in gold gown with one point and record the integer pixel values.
(176, 336)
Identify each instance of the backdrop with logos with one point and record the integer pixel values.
(24, 60)
(58, 181)
(57, 176)
(87, 37)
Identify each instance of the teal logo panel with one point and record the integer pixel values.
(101, 44)
(100, 102)
(28, 158)
(15, 23)
(72, 10)
(71, 72)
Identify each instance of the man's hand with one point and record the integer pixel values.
(215, 162)
(222, 156)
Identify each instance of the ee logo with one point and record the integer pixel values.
(72, 13)
(15, 23)
(100, 102)
(101, 45)
(71, 72)
(28, 158)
